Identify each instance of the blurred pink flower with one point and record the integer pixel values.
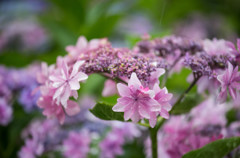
(5, 112)
(109, 88)
(77, 144)
(111, 146)
(230, 80)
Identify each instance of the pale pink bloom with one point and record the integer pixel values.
(77, 144)
(66, 84)
(230, 80)
(154, 78)
(51, 109)
(235, 50)
(5, 112)
(109, 89)
(163, 98)
(216, 47)
(209, 112)
(42, 76)
(136, 101)
(111, 146)
(82, 46)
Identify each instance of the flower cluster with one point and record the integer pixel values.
(43, 137)
(17, 84)
(184, 133)
(139, 102)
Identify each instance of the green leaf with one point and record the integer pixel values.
(110, 100)
(104, 111)
(216, 149)
(190, 101)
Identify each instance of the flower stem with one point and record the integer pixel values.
(154, 146)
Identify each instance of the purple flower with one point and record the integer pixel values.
(230, 80)
(77, 144)
(31, 149)
(111, 146)
(66, 84)
(5, 112)
(136, 101)
(215, 47)
(234, 50)
(28, 99)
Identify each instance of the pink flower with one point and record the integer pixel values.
(77, 144)
(82, 46)
(51, 109)
(66, 84)
(234, 50)
(154, 78)
(215, 47)
(229, 80)
(5, 112)
(163, 98)
(136, 101)
(109, 88)
(111, 146)
(42, 76)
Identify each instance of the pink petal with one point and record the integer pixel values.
(232, 92)
(64, 69)
(238, 44)
(74, 84)
(129, 111)
(119, 107)
(123, 90)
(143, 111)
(76, 68)
(135, 117)
(109, 88)
(75, 94)
(222, 96)
(82, 42)
(81, 76)
(65, 96)
(230, 71)
(72, 108)
(153, 119)
(58, 92)
(164, 114)
(134, 81)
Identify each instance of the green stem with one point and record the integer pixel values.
(184, 93)
(154, 146)
(117, 79)
(161, 121)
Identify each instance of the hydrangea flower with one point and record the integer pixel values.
(77, 144)
(66, 84)
(52, 109)
(111, 146)
(5, 112)
(136, 101)
(230, 80)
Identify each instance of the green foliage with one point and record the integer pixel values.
(105, 112)
(216, 149)
(189, 102)
(133, 150)
(93, 86)
(177, 82)
(231, 116)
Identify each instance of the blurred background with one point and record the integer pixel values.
(39, 30)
